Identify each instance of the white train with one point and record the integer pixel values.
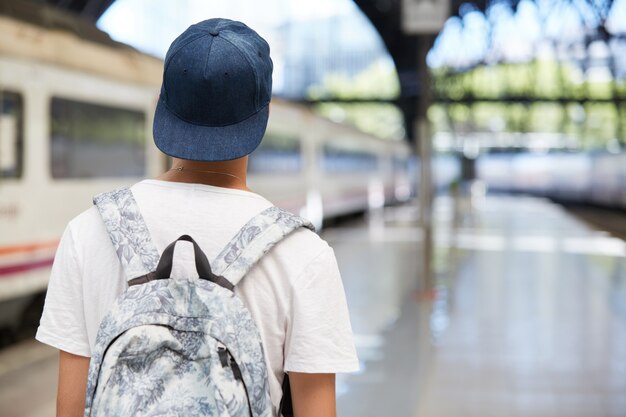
(76, 119)
(584, 178)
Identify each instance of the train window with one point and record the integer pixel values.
(400, 163)
(11, 136)
(340, 159)
(92, 140)
(277, 153)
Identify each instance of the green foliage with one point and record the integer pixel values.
(522, 87)
(378, 81)
(379, 119)
(540, 79)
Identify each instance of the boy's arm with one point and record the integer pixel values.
(72, 388)
(64, 327)
(313, 395)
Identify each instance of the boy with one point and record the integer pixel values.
(212, 113)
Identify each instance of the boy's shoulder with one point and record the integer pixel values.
(300, 247)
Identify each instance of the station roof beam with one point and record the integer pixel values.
(88, 9)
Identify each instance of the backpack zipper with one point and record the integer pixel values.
(236, 370)
(223, 354)
(227, 361)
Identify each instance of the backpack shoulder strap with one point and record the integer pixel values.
(128, 232)
(255, 239)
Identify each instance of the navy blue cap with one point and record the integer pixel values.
(217, 86)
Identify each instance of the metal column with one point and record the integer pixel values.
(423, 143)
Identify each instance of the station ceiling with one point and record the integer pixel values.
(385, 15)
(88, 9)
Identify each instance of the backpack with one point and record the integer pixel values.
(181, 347)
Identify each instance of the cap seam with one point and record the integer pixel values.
(167, 63)
(208, 55)
(256, 76)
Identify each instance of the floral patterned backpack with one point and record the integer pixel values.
(181, 347)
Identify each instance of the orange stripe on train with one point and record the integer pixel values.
(28, 247)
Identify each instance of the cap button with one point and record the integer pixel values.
(214, 31)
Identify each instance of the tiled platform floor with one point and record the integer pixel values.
(528, 317)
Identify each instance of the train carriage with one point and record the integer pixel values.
(76, 114)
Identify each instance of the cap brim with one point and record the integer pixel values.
(185, 140)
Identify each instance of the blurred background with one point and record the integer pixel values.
(465, 159)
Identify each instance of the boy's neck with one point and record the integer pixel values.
(226, 174)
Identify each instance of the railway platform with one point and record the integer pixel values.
(524, 315)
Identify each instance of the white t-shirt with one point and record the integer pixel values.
(294, 293)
